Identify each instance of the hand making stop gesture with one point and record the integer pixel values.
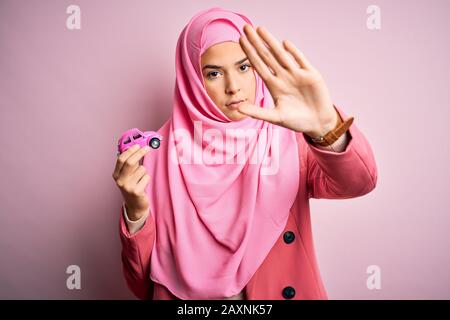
(301, 97)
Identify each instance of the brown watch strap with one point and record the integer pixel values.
(332, 136)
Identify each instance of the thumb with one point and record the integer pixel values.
(270, 115)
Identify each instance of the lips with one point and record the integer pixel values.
(235, 104)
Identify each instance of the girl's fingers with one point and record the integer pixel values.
(132, 162)
(262, 51)
(259, 65)
(135, 157)
(277, 50)
(143, 182)
(270, 115)
(297, 54)
(136, 175)
(121, 159)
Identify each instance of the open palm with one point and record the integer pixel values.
(301, 97)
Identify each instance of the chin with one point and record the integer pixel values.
(237, 117)
(234, 115)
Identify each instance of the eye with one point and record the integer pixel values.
(245, 65)
(210, 74)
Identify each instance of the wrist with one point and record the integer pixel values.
(134, 215)
(333, 135)
(325, 126)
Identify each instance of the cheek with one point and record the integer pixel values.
(213, 90)
(251, 84)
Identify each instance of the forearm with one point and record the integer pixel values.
(347, 171)
(136, 253)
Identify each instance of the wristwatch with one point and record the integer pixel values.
(331, 136)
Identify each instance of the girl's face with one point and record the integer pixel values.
(228, 76)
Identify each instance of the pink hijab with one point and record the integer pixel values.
(217, 214)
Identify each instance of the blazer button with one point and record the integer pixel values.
(288, 237)
(288, 292)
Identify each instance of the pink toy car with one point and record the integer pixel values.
(135, 136)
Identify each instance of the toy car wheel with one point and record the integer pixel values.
(154, 143)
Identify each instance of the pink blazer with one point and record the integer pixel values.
(290, 270)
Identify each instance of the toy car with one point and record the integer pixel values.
(135, 136)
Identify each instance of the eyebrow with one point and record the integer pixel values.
(210, 66)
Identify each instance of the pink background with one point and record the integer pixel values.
(63, 89)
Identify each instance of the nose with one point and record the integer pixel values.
(232, 85)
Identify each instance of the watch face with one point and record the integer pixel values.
(320, 139)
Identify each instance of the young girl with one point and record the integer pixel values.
(221, 209)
